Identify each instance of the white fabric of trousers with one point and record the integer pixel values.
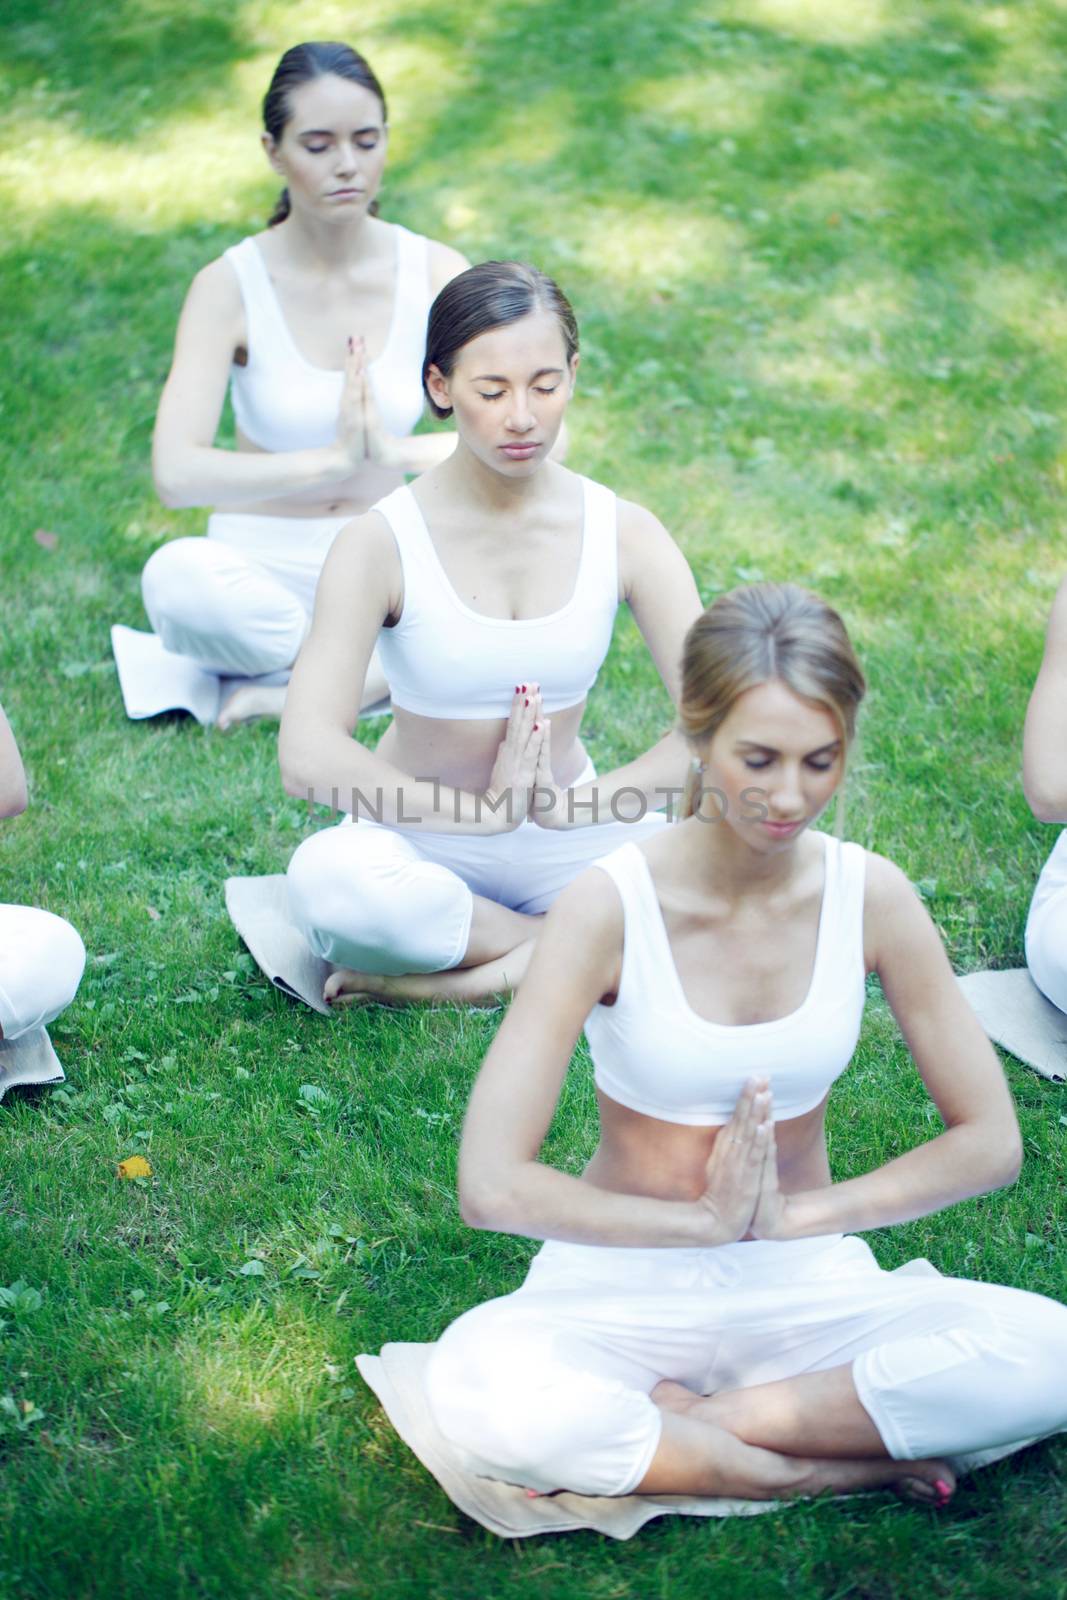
(1046, 927)
(549, 1387)
(239, 601)
(397, 900)
(41, 963)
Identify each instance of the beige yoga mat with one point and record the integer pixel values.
(259, 910)
(1016, 1015)
(505, 1509)
(154, 680)
(28, 1060)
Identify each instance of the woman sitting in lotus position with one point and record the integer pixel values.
(702, 1319)
(490, 587)
(318, 325)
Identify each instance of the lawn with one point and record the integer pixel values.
(817, 255)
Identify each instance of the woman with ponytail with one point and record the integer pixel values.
(318, 325)
(703, 1319)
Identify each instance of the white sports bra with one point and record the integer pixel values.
(653, 1054)
(444, 660)
(282, 401)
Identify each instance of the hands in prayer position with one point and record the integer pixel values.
(360, 434)
(741, 1197)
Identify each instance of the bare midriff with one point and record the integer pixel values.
(667, 1160)
(460, 751)
(349, 497)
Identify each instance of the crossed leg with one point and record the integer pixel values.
(797, 1436)
(498, 952)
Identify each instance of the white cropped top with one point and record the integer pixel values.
(653, 1054)
(282, 401)
(444, 660)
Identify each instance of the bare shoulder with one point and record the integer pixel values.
(445, 264)
(581, 942)
(367, 538)
(638, 526)
(215, 289)
(894, 917)
(588, 908)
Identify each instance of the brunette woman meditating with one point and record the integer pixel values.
(490, 587)
(318, 325)
(702, 1319)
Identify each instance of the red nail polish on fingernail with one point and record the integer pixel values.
(516, 688)
(526, 702)
(942, 1488)
(535, 727)
(524, 689)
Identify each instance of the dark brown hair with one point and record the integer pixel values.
(300, 64)
(484, 297)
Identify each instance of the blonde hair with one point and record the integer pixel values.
(763, 633)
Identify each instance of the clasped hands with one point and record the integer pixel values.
(521, 785)
(741, 1196)
(360, 434)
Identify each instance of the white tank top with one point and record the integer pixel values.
(444, 660)
(653, 1054)
(284, 402)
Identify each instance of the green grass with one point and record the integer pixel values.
(817, 253)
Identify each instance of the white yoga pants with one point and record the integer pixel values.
(398, 900)
(549, 1387)
(41, 964)
(1046, 927)
(239, 601)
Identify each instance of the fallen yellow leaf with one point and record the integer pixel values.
(134, 1167)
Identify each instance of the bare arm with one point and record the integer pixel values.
(189, 469)
(13, 794)
(359, 590)
(980, 1148)
(418, 452)
(503, 1185)
(656, 582)
(1045, 731)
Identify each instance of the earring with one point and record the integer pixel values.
(696, 767)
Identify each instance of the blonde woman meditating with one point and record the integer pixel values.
(490, 587)
(318, 325)
(702, 1318)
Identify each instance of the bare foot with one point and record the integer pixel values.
(471, 987)
(248, 703)
(931, 1482)
(671, 1396)
(345, 987)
